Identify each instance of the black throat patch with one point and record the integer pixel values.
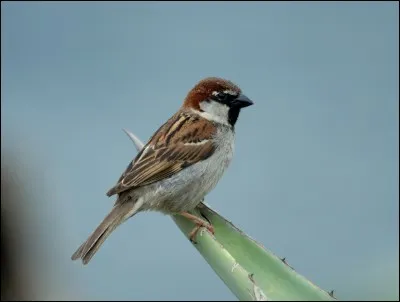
(233, 115)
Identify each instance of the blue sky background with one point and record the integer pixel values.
(315, 173)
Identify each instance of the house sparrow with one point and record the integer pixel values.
(181, 163)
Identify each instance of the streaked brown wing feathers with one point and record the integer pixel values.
(182, 141)
(165, 163)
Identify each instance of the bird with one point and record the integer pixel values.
(180, 164)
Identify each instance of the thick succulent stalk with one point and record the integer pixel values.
(249, 270)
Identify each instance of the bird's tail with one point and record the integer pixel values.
(118, 214)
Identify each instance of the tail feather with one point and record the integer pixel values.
(118, 214)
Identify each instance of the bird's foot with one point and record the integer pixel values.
(199, 224)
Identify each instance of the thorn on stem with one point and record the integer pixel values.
(284, 261)
(251, 277)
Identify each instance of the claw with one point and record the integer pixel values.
(193, 234)
(199, 224)
(210, 228)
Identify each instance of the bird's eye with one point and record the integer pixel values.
(222, 96)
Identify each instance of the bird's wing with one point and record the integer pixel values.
(182, 141)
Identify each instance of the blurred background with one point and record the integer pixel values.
(316, 169)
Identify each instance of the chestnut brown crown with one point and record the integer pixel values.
(205, 88)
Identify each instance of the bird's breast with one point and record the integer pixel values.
(185, 190)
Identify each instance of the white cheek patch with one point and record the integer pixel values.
(214, 111)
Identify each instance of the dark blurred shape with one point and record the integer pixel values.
(16, 283)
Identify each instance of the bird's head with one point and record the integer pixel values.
(217, 100)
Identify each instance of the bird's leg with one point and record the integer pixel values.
(199, 223)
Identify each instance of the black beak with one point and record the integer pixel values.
(242, 101)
